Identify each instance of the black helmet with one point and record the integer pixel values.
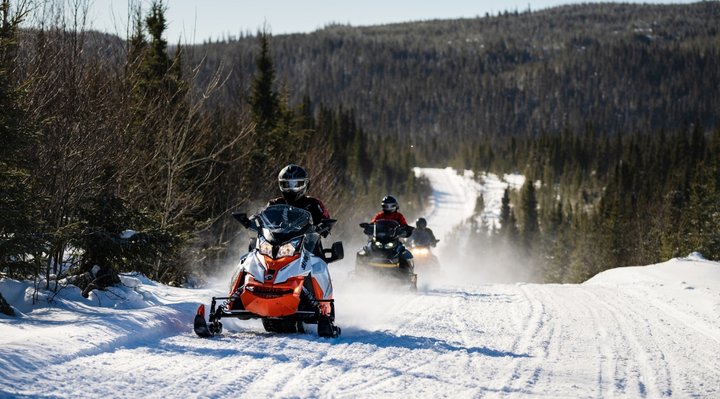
(421, 223)
(389, 204)
(293, 181)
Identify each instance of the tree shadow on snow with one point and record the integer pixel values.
(386, 339)
(461, 293)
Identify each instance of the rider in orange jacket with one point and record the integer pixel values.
(389, 211)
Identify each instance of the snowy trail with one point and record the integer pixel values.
(636, 332)
(452, 202)
(500, 340)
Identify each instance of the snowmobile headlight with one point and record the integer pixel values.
(389, 245)
(378, 244)
(265, 247)
(289, 248)
(420, 251)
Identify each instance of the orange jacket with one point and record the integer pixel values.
(396, 216)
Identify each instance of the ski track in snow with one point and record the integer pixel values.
(598, 339)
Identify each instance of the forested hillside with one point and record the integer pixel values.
(437, 84)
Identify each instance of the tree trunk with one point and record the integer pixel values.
(5, 307)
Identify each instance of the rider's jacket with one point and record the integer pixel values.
(310, 204)
(396, 216)
(423, 237)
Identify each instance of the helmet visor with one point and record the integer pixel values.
(389, 207)
(293, 184)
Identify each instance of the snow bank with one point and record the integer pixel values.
(692, 272)
(685, 288)
(64, 325)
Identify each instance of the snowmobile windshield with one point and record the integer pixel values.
(280, 223)
(386, 230)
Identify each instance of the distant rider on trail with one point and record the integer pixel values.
(390, 211)
(423, 235)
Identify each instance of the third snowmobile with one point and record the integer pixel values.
(425, 259)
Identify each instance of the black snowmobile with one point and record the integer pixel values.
(385, 254)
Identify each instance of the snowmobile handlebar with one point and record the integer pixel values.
(405, 231)
(323, 228)
(248, 222)
(401, 231)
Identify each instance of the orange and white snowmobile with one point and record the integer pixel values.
(283, 280)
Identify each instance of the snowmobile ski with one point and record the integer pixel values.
(202, 328)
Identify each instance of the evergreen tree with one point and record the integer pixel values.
(168, 147)
(506, 215)
(505, 208)
(508, 232)
(154, 79)
(264, 100)
(703, 213)
(512, 232)
(557, 246)
(479, 205)
(18, 209)
(530, 223)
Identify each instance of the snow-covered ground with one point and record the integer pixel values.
(650, 331)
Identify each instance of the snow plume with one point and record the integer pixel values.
(480, 260)
(362, 303)
(466, 255)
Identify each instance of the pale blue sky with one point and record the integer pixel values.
(192, 21)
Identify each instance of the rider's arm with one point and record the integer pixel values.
(401, 219)
(432, 236)
(323, 210)
(319, 212)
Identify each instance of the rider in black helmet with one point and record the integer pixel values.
(390, 211)
(422, 235)
(294, 183)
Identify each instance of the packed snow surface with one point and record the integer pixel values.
(650, 331)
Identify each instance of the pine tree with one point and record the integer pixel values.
(264, 101)
(167, 145)
(530, 224)
(557, 246)
(17, 207)
(505, 210)
(702, 214)
(479, 205)
(508, 232)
